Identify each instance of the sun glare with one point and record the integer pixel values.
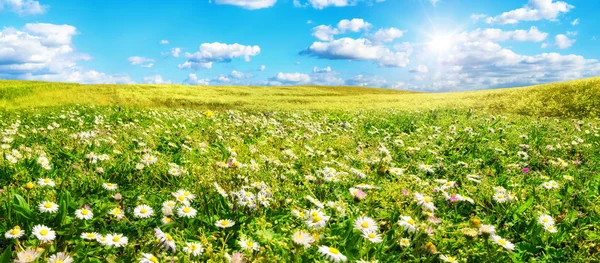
(440, 43)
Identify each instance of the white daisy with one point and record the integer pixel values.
(143, 211)
(195, 249)
(407, 223)
(186, 211)
(84, 214)
(48, 207)
(165, 239)
(225, 223)
(248, 244)
(449, 259)
(43, 233)
(46, 182)
(89, 235)
(60, 257)
(15, 232)
(372, 236)
(303, 238)
(545, 220)
(116, 240)
(109, 186)
(502, 242)
(148, 258)
(28, 255)
(364, 223)
(332, 254)
(404, 242)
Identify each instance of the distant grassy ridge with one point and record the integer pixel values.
(579, 98)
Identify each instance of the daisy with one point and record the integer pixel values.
(117, 212)
(15, 232)
(449, 259)
(181, 198)
(500, 197)
(89, 235)
(220, 190)
(224, 223)
(164, 239)
(357, 193)
(60, 257)
(303, 238)
(84, 214)
(116, 240)
(109, 186)
(332, 254)
(545, 220)
(195, 249)
(550, 228)
(46, 182)
(48, 207)
(186, 194)
(502, 242)
(407, 223)
(148, 258)
(102, 240)
(143, 211)
(248, 244)
(487, 229)
(43, 233)
(165, 220)
(167, 208)
(317, 219)
(372, 236)
(28, 255)
(186, 211)
(404, 242)
(364, 223)
(425, 201)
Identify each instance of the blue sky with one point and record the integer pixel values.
(427, 45)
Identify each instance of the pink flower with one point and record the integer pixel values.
(117, 196)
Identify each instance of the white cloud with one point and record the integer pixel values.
(387, 35)
(320, 4)
(324, 33)
(309, 21)
(23, 7)
(321, 70)
(544, 45)
(175, 52)
(192, 79)
(575, 22)
(367, 81)
(477, 17)
(164, 42)
(354, 25)
(289, 79)
(434, 2)
(262, 68)
(494, 34)
(46, 52)
(419, 69)
(142, 61)
(563, 41)
(217, 52)
(571, 33)
(156, 79)
(357, 49)
(248, 4)
(534, 10)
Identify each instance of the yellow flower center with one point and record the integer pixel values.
(545, 220)
(500, 196)
(502, 242)
(143, 210)
(427, 199)
(371, 235)
(192, 247)
(334, 251)
(249, 243)
(169, 237)
(364, 225)
(316, 218)
(44, 232)
(117, 211)
(48, 205)
(181, 198)
(109, 185)
(14, 231)
(167, 219)
(153, 259)
(187, 209)
(224, 223)
(85, 212)
(116, 239)
(90, 235)
(411, 222)
(186, 193)
(29, 185)
(46, 181)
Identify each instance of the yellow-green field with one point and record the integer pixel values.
(574, 98)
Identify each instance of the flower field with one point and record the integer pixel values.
(105, 184)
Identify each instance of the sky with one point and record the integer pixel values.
(422, 45)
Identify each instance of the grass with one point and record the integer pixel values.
(574, 98)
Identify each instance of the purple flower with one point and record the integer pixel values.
(525, 170)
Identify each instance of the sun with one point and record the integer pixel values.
(441, 43)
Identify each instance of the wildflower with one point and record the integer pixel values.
(60, 257)
(143, 211)
(84, 214)
(167, 208)
(407, 223)
(165, 220)
(220, 190)
(500, 197)
(317, 219)
(364, 223)
(186, 211)
(89, 235)
(29, 185)
(165, 239)
(28, 255)
(248, 244)
(315, 201)
(109, 186)
(372, 236)
(550, 185)
(43, 233)
(303, 238)
(15, 232)
(116, 240)
(545, 220)
(502, 242)
(46, 182)
(425, 202)
(117, 212)
(48, 207)
(195, 249)
(148, 258)
(357, 193)
(550, 228)
(449, 259)
(224, 223)
(404, 242)
(332, 254)
(487, 230)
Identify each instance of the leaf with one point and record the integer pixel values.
(6, 255)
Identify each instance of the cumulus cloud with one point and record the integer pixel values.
(193, 79)
(23, 7)
(419, 69)
(45, 52)
(262, 68)
(164, 42)
(289, 78)
(248, 4)
(156, 79)
(326, 32)
(217, 53)
(357, 49)
(477, 17)
(534, 10)
(320, 4)
(321, 70)
(367, 81)
(563, 41)
(141, 61)
(385, 35)
(494, 34)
